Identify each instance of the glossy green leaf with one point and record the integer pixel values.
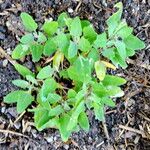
(114, 91)
(50, 27)
(76, 28)
(108, 102)
(21, 83)
(62, 19)
(53, 98)
(49, 47)
(83, 121)
(31, 79)
(100, 69)
(134, 43)
(84, 45)
(71, 93)
(23, 70)
(56, 111)
(94, 55)
(113, 80)
(100, 41)
(72, 50)
(36, 51)
(28, 22)
(45, 72)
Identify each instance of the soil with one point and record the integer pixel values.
(132, 111)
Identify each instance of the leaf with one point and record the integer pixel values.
(114, 20)
(31, 79)
(130, 52)
(21, 83)
(109, 53)
(114, 91)
(71, 93)
(50, 27)
(63, 122)
(134, 43)
(121, 48)
(74, 117)
(22, 98)
(27, 38)
(49, 47)
(49, 85)
(62, 19)
(84, 23)
(89, 33)
(45, 72)
(113, 80)
(83, 121)
(84, 45)
(100, 70)
(76, 28)
(41, 38)
(124, 32)
(56, 111)
(109, 65)
(94, 55)
(62, 42)
(57, 60)
(20, 51)
(72, 50)
(23, 70)
(100, 41)
(108, 102)
(36, 51)
(99, 112)
(53, 98)
(28, 22)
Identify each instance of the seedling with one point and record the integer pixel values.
(76, 51)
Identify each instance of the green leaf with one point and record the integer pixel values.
(63, 122)
(83, 121)
(45, 72)
(27, 38)
(100, 69)
(23, 70)
(121, 48)
(22, 98)
(62, 42)
(41, 38)
(56, 111)
(72, 50)
(100, 41)
(50, 27)
(71, 93)
(113, 80)
(19, 52)
(99, 112)
(94, 55)
(130, 52)
(28, 22)
(36, 51)
(84, 23)
(124, 32)
(31, 79)
(53, 98)
(89, 33)
(84, 45)
(48, 86)
(108, 102)
(21, 83)
(49, 47)
(76, 28)
(114, 91)
(62, 19)
(109, 53)
(114, 20)
(134, 43)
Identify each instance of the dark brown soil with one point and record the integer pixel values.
(132, 110)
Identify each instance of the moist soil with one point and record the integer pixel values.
(131, 112)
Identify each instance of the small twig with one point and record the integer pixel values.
(79, 4)
(19, 117)
(100, 144)
(146, 118)
(7, 56)
(133, 130)
(12, 132)
(105, 130)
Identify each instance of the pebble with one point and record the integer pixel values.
(70, 10)
(2, 36)
(66, 146)
(17, 125)
(49, 139)
(5, 62)
(3, 109)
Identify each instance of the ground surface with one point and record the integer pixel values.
(132, 110)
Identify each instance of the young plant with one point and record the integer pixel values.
(76, 79)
